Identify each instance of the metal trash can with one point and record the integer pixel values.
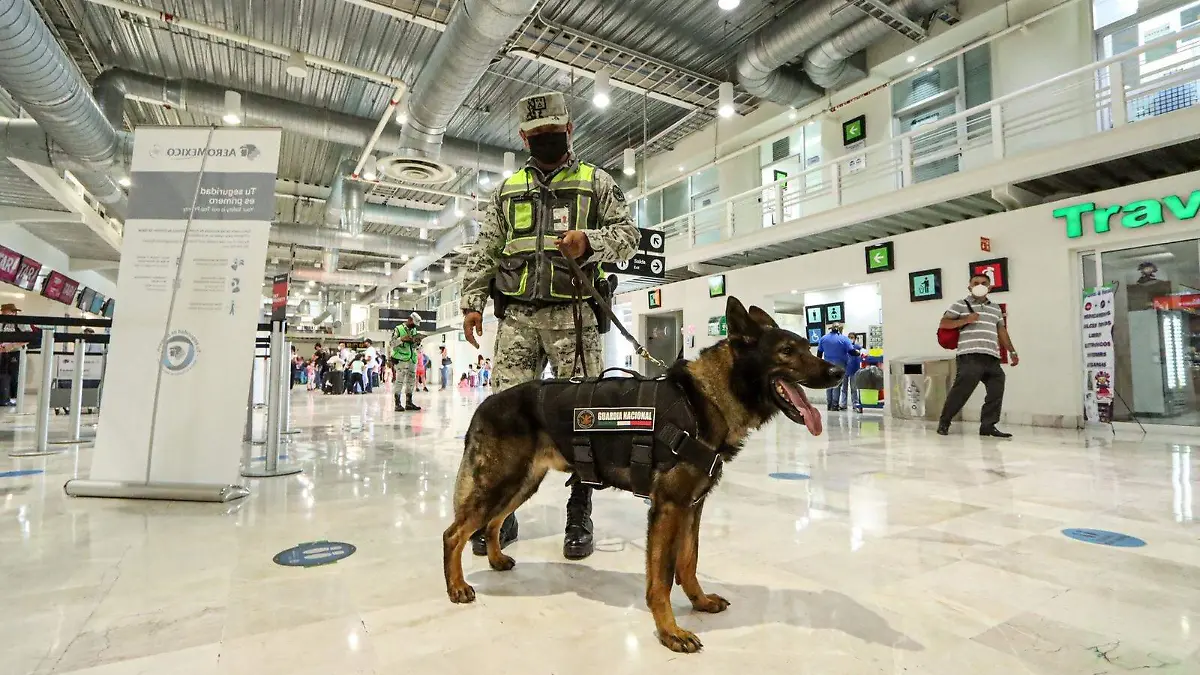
(919, 386)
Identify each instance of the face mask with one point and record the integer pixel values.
(979, 291)
(548, 148)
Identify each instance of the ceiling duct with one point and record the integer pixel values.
(339, 277)
(475, 31)
(828, 64)
(309, 236)
(450, 242)
(761, 63)
(113, 86)
(329, 260)
(40, 76)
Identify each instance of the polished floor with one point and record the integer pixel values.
(876, 548)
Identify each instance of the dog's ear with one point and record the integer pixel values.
(739, 320)
(761, 318)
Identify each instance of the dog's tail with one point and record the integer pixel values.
(464, 483)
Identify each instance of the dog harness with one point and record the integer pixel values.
(610, 424)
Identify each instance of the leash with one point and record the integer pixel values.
(586, 285)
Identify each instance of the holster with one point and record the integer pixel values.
(499, 300)
(607, 288)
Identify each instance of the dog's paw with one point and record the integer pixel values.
(461, 594)
(711, 603)
(680, 640)
(503, 564)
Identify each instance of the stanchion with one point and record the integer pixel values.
(271, 466)
(42, 429)
(286, 424)
(76, 398)
(22, 362)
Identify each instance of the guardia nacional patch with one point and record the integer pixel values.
(614, 419)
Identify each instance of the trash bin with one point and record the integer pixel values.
(919, 386)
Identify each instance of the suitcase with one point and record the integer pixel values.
(335, 384)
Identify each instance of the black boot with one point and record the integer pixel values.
(409, 404)
(508, 534)
(577, 543)
(399, 403)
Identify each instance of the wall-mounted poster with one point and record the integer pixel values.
(814, 314)
(716, 286)
(835, 312)
(995, 269)
(925, 285)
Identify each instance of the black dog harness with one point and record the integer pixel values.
(602, 425)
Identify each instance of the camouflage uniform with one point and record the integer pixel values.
(527, 338)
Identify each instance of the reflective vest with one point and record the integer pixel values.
(403, 351)
(530, 268)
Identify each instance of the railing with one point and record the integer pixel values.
(1082, 102)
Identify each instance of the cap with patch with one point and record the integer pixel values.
(543, 110)
(415, 317)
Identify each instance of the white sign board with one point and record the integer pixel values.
(180, 359)
(1098, 355)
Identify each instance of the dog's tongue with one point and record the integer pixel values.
(812, 417)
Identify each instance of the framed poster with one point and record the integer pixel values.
(835, 312)
(995, 269)
(880, 257)
(716, 286)
(925, 285)
(814, 314)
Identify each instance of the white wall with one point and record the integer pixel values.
(1043, 305)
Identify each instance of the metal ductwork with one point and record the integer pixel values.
(761, 63)
(329, 260)
(475, 31)
(40, 76)
(113, 86)
(328, 239)
(828, 64)
(340, 277)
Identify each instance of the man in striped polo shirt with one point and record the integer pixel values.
(981, 333)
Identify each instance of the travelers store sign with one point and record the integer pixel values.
(1135, 214)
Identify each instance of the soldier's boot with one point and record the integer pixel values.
(577, 542)
(408, 405)
(399, 402)
(508, 534)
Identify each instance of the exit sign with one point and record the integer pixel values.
(880, 257)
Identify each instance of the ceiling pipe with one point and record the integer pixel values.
(290, 188)
(379, 129)
(310, 236)
(286, 52)
(339, 277)
(465, 233)
(827, 64)
(475, 31)
(761, 65)
(206, 98)
(43, 79)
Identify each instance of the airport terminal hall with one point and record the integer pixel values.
(599, 337)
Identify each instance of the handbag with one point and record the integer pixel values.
(948, 337)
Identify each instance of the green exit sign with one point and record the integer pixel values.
(854, 130)
(1133, 215)
(880, 257)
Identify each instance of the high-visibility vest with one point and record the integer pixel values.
(403, 351)
(531, 268)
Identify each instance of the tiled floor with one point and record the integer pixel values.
(904, 552)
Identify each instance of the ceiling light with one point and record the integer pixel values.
(911, 58)
(728, 5)
(369, 171)
(725, 99)
(484, 180)
(361, 288)
(233, 108)
(602, 90)
(296, 66)
(124, 181)
(792, 114)
(426, 277)
(630, 160)
(402, 118)
(458, 209)
(680, 168)
(510, 164)
(845, 283)
(794, 292)
(446, 267)
(424, 233)
(387, 268)
(929, 69)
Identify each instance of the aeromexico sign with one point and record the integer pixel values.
(1101, 219)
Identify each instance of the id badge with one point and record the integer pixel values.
(561, 217)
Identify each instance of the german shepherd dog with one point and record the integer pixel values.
(734, 387)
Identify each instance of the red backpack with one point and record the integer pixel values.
(948, 337)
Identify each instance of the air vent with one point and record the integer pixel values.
(415, 170)
(781, 148)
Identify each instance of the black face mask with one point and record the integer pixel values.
(548, 148)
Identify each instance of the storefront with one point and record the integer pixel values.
(1046, 255)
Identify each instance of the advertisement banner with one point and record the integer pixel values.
(279, 297)
(10, 262)
(200, 211)
(1098, 358)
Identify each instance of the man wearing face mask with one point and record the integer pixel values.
(981, 334)
(553, 207)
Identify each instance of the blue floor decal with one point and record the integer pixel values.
(1103, 537)
(21, 472)
(785, 475)
(314, 553)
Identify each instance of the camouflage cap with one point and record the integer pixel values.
(543, 110)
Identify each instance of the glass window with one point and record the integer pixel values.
(1156, 332)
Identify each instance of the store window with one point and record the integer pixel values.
(936, 93)
(1156, 332)
(1162, 79)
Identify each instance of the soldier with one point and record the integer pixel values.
(555, 206)
(405, 351)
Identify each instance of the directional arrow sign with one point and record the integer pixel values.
(880, 257)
